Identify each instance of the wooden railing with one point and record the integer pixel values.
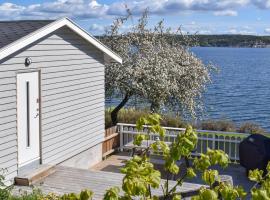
(226, 141)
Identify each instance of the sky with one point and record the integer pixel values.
(250, 17)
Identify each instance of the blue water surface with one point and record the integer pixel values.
(241, 89)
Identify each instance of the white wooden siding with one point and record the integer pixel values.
(72, 98)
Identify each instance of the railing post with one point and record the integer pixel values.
(121, 130)
(214, 141)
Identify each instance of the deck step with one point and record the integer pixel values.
(30, 177)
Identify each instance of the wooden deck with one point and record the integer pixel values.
(115, 162)
(67, 180)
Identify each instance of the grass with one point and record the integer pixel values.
(218, 125)
(131, 115)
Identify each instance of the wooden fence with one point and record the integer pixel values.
(111, 142)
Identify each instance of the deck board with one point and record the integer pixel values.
(67, 180)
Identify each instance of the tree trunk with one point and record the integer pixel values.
(155, 107)
(115, 111)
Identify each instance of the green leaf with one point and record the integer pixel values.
(86, 195)
(210, 176)
(218, 157)
(241, 192)
(206, 194)
(176, 197)
(259, 194)
(173, 168)
(255, 175)
(140, 123)
(154, 119)
(202, 163)
(138, 139)
(190, 173)
(112, 194)
(139, 175)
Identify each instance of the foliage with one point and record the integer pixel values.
(130, 116)
(232, 40)
(261, 190)
(218, 125)
(36, 194)
(157, 66)
(141, 177)
(250, 127)
(125, 115)
(112, 194)
(4, 190)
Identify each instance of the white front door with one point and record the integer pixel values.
(28, 117)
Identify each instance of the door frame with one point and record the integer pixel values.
(40, 111)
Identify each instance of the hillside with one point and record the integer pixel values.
(233, 41)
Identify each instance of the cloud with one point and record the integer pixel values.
(226, 13)
(244, 30)
(267, 30)
(10, 9)
(80, 9)
(72, 8)
(178, 6)
(87, 9)
(262, 4)
(204, 5)
(197, 28)
(205, 32)
(96, 27)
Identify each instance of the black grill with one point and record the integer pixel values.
(254, 152)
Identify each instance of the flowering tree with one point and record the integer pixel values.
(157, 66)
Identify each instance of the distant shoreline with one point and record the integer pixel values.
(233, 41)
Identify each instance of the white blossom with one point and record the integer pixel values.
(157, 66)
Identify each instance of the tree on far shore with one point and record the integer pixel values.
(157, 66)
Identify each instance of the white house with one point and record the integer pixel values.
(51, 95)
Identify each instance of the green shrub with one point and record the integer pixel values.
(229, 126)
(126, 115)
(34, 195)
(140, 176)
(4, 190)
(38, 195)
(173, 121)
(251, 128)
(131, 115)
(218, 125)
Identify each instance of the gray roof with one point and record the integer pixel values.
(11, 31)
